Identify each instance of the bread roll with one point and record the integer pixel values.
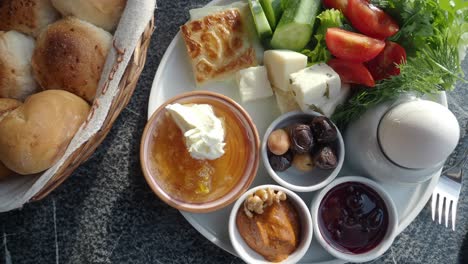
(27, 16)
(102, 13)
(35, 135)
(16, 78)
(5, 172)
(6, 106)
(70, 55)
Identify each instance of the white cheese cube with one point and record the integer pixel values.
(253, 83)
(280, 64)
(315, 86)
(286, 101)
(329, 108)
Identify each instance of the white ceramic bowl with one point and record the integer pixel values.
(249, 255)
(293, 178)
(391, 229)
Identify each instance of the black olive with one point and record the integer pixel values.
(280, 162)
(301, 137)
(325, 158)
(323, 129)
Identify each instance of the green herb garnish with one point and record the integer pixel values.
(327, 92)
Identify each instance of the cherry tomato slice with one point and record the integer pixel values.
(337, 4)
(385, 64)
(352, 72)
(370, 20)
(352, 46)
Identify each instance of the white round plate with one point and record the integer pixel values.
(174, 76)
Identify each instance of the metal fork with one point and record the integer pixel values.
(447, 190)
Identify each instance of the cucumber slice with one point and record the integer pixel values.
(261, 22)
(295, 28)
(273, 10)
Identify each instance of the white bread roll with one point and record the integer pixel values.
(70, 55)
(35, 135)
(27, 16)
(16, 78)
(102, 13)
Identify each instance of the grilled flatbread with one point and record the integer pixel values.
(218, 45)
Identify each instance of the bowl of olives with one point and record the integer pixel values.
(303, 151)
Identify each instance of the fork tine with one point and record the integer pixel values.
(447, 209)
(433, 205)
(454, 213)
(440, 207)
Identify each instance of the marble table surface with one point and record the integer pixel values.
(106, 213)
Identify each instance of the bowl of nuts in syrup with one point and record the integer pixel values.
(303, 151)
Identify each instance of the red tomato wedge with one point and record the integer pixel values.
(352, 72)
(337, 4)
(370, 20)
(385, 64)
(352, 46)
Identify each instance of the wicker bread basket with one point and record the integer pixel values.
(126, 88)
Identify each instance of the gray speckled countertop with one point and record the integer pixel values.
(106, 213)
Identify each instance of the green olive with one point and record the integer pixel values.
(278, 142)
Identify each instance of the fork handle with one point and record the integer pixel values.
(455, 171)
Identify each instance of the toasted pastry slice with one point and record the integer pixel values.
(218, 45)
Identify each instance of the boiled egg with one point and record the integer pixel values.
(418, 134)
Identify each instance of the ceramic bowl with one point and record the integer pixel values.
(249, 255)
(250, 159)
(293, 178)
(388, 238)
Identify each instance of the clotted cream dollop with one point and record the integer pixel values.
(202, 129)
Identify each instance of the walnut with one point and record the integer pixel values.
(262, 198)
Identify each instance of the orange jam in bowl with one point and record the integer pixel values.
(200, 185)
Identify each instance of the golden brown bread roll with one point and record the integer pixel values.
(35, 135)
(27, 16)
(70, 55)
(5, 172)
(102, 13)
(16, 78)
(6, 106)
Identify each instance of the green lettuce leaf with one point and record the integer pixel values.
(327, 19)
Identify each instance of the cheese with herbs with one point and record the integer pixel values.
(316, 88)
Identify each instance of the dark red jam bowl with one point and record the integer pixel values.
(353, 218)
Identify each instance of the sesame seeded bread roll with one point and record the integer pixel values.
(102, 13)
(16, 78)
(27, 16)
(70, 55)
(36, 134)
